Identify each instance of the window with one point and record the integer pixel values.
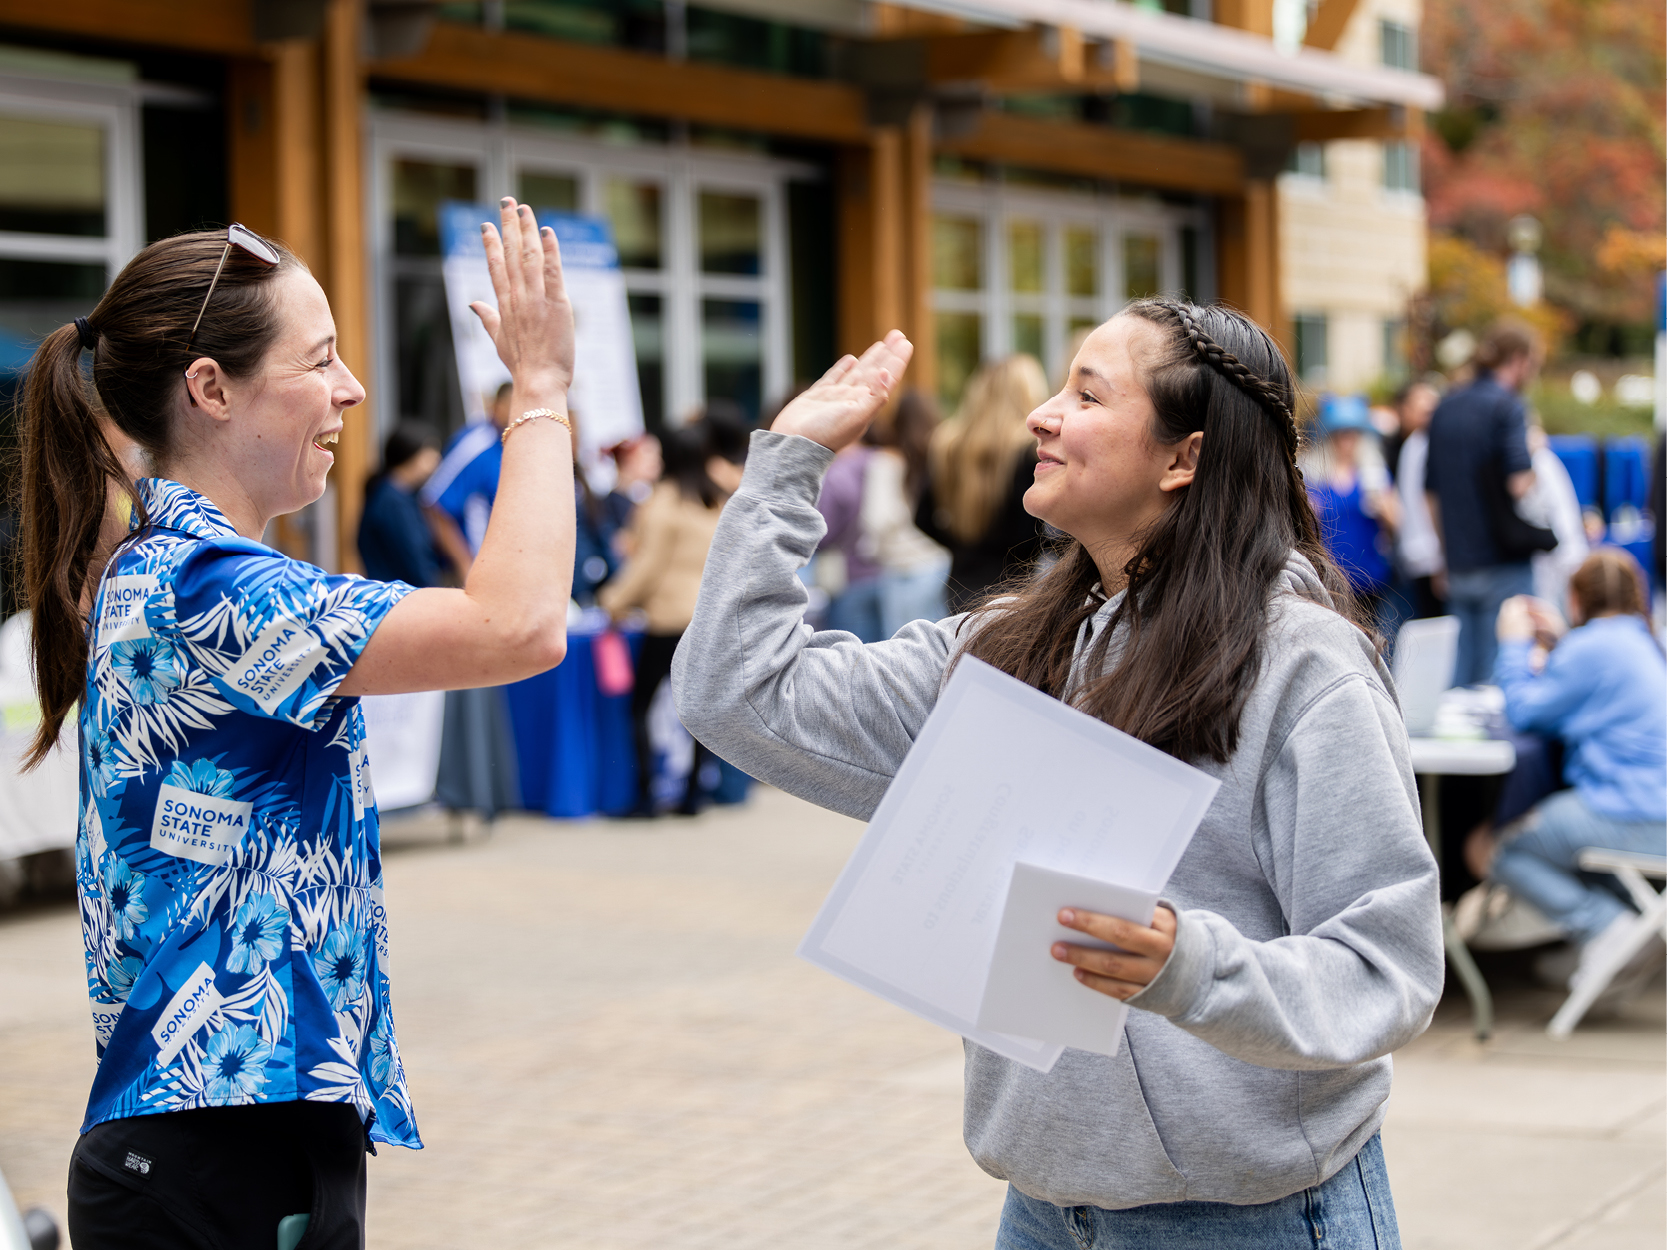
(701, 238)
(71, 204)
(1308, 161)
(1142, 255)
(1400, 168)
(1397, 45)
(1395, 349)
(1018, 267)
(1310, 329)
(559, 191)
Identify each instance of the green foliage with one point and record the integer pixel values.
(1561, 413)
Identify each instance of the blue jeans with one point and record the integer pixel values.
(1539, 864)
(1351, 1211)
(856, 609)
(914, 596)
(1474, 597)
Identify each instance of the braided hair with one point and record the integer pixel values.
(1275, 398)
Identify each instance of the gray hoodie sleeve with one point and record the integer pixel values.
(1342, 848)
(755, 683)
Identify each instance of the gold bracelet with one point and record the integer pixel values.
(534, 414)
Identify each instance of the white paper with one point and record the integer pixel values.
(1028, 990)
(1001, 772)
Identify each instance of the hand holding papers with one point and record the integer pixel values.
(1003, 774)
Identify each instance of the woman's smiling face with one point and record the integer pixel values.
(289, 414)
(1100, 476)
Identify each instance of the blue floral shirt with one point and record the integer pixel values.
(227, 859)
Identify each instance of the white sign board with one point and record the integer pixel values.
(604, 397)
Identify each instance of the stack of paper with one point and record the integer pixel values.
(1010, 806)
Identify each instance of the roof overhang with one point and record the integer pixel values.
(1206, 48)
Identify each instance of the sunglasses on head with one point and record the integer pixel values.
(238, 236)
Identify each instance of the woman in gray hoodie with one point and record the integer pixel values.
(1299, 941)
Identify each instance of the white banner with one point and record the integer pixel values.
(605, 397)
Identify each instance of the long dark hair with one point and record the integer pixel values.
(137, 336)
(683, 454)
(405, 442)
(1200, 581)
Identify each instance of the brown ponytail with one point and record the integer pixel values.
(138, 336)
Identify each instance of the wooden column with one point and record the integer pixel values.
(1248, 257)
(347, 281)
(871, 288)
(885, 242)
(918, 321)
(295, 120)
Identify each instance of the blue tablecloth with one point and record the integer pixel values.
(573, 742)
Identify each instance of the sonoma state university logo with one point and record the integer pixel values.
(122, 613)
(276, 663)
(196, 817)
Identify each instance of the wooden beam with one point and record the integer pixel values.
(894, 21)
(1256, 16)
(349, 278)
(1008, 60)
(1101, 152)
(223, 26)
(1326, 27)
(1388, 122)
(536, 68)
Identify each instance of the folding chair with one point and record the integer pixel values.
(1652, 907)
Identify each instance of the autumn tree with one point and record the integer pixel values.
(1555, 108)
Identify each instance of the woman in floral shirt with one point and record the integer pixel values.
(228, 863)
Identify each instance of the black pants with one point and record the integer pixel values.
(653, 667)
(220, 1178)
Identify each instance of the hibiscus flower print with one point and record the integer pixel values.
(234, 1064)
(144, 669)
(102, 761)
(122, 974)
(381, 1051)
(201, 777)
(340, 964)
(257, 932)
(124, 892)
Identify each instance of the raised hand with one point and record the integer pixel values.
(532, 326)
(837, 409)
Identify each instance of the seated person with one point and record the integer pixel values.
(1603, 691)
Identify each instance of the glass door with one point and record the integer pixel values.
(1023, 270)
(702, 242)
(70, 205)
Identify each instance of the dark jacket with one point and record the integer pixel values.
(1010, 544)
(394, 540)
(1478, 438)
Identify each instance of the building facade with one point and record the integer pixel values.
(785, 179)
(1352, 227)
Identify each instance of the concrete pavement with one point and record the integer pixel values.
(610, 1044)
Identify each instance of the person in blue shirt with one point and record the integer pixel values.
(464, 486)
(1603, 692)
(227, 859)
(478, 769)
(1357, 512)
(1476, 467)
(395, 541)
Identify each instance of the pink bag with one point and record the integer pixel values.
(613, 663)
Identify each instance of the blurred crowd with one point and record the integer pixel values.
(1444, 500)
